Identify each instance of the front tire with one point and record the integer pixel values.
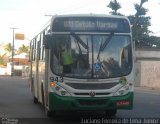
(35, 100)
(50, 113)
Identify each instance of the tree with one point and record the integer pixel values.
(23, 49)
(3, 59)
(115, 6)
(8, 48)
(153, 41)
(140, 23)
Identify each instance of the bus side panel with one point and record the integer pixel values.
(41, 81)
(46, 78)
(34, 79)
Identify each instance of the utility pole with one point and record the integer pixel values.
(12, 68)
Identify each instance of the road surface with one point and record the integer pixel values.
(16, 105)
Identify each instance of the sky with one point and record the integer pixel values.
(31, 16)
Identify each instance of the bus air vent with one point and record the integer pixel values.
(87, 94)
(92, 86)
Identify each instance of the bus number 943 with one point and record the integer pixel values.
(57, 79)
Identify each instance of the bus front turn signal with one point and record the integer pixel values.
(52, 84)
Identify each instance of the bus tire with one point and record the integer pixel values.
(111, 113)
(50, 113)
(42, 93)
(35, 100)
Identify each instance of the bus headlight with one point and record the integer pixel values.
(122, 91)
(58, 90)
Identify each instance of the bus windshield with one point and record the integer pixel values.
(91, 56)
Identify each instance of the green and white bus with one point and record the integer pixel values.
(83, 62)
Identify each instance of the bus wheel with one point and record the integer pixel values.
(35, 100)
(42, 93)
(111, 113)
(50, 113)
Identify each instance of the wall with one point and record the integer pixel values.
(148, 54)
(3, 71)
(147, 68)
(137, 73)
(19, 70)
(148, 75)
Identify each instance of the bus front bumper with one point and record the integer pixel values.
(57, 102)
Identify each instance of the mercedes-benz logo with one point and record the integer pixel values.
(92, 93)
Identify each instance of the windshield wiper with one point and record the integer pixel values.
(79, 40)
(103, 46)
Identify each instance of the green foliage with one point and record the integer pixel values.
(115, 6)
(8, 47)
(152, 41)
(140, 24)
(23, 49)
(3, 60)
(140, 10)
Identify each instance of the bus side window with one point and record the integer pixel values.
(42, 46)
(34, 49)
(39, 50)
(31, 51)
(38, 47)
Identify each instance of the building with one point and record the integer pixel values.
(20, 61)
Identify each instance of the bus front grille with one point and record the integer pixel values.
(88, 94)
(93, 86)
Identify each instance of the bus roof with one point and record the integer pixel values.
(81, 15)
(89, 15)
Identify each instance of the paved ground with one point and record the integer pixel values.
(148, 89)
(16, 102)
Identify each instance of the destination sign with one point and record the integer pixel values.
(90, 24)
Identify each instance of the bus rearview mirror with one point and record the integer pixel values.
(47, 41)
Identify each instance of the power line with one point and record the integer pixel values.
(156, 32)
(68, 9)
(64, 9)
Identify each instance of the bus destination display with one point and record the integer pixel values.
(90, 25)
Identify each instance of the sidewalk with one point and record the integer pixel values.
(147, 89)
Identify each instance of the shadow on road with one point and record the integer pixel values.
(69, 118)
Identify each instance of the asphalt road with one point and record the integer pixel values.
(16, 105)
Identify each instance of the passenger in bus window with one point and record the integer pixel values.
(66, 57)
(67, 61)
